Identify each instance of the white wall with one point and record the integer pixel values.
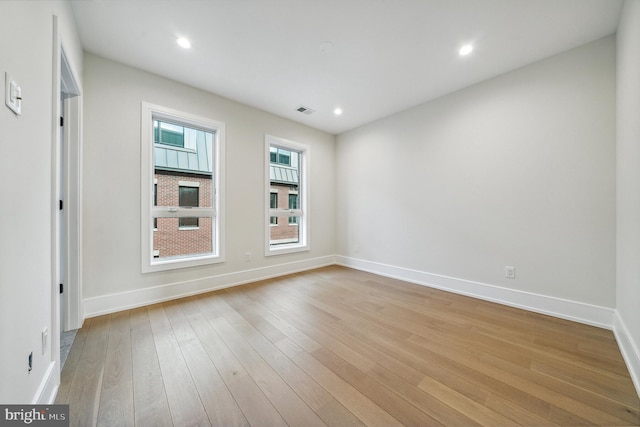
(112, 266)
(628, 182)
(516, 171)
(26, 51)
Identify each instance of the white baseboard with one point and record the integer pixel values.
(629, 349)
(48, 389)
(579, 312)
(112, 303)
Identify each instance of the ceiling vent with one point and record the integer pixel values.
(305, 110)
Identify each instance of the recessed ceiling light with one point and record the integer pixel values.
(337, 111)
(465, 50)
(183, 42)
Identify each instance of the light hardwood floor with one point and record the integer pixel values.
(340, 347)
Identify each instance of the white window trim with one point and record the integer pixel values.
(302, 212)
(150, 264)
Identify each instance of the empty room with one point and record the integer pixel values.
(329, 212)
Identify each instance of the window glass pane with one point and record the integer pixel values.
(188, 222)
(183, 179)
(273, 204)
(188, 196)
(168, 133)
(171, 191)
(285, 192)
(284, 157)
(171, 242)
(293, 201)
(287, 232)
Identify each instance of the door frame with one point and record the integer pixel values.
(65, 81)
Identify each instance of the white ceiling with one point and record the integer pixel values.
(387, 55)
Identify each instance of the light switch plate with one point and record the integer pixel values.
(12, 94)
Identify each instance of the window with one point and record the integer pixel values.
(293, 204)
(287, 193)
(280, 156)
(188, 197)
(155, 202)
(182, 183)
(168, 133)
(273, 204)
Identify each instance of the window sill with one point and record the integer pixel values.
(164, 264)
(286, 249)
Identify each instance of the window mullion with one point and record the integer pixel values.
(285, 212)
(182, 212)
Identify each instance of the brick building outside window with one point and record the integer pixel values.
(284, 177)
(182, 178)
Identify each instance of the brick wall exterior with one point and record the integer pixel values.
(170, 239)
(283, 230)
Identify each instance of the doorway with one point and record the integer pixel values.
(67, 245)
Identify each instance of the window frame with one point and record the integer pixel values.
(149, 264)
(302, 213)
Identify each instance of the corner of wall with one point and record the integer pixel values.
(111, 303)
(628, 348)
(589, 314)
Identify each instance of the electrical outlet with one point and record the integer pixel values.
(510, 272)
(247, 256)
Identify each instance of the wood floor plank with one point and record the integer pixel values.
(387, 399)
(340, 347)
(358, 404)
(255, 406)
(407, 386)
(218, 402)
(184, 401)
(71, 364)
(327, 407)
(625, 408)
(87, 381)
(578, 409)
(334, 414)
(310, 391)
(116, 398)
(290, 406)
(424, 359)
(302, 337)
(416, 377)
(149, 398)
(629, 414)
(463, 404)
(418, 331)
